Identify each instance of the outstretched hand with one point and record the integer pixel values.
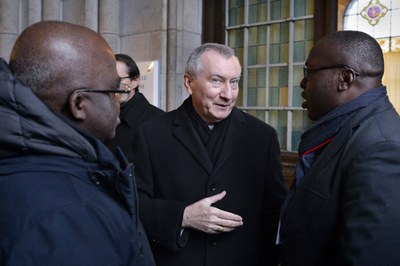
(204, 217)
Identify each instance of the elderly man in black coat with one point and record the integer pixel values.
(209, 175)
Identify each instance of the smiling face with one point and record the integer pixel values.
(215, 88)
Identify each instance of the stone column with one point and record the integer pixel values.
(91, 14)
(184, 34)
(109, 22)
(9, 26)
(52, 10)
(34, 12)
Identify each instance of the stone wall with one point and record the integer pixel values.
(147, 30)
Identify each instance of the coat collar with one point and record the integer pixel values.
(316, 173)
(186, 134)
(133, 109)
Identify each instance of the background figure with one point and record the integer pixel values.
(209, 175)
(135, 110)
(344, 208)
(65, 198)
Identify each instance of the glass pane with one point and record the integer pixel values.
(256, 87)
(300, 124)
(262, 55)
(279, 35)
(309, 34)
(257, 54)
(299, 52)
(297, 77)
(285, 8)
(233, 17)
(252, 56)
(278, 120)
(239, 100)
(275, 9)
(262, 34)
(299, 30)
(253, 13)
(253, 36)
(278, 96)
(299, 8)
(395, 22)
(310, 7)
(232, 37)
(303, 30)
(262, 12)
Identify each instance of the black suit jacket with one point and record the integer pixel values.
(174, 170)
(136, 111)
(346, 209)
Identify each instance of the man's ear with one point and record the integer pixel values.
(347, 79)
(187, 82)
(77, 105)
(135, 82)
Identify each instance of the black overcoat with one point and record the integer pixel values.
(174, 170)
(346, 209)
(133, 113)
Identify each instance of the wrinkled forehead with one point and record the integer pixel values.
(212, 62)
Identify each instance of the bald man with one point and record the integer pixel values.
(65, 199)
(344, 208)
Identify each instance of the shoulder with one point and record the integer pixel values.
(251, 122)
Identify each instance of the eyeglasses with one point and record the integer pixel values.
(307, 71)
(122, 93)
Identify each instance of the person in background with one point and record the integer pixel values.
(344, 208)
(65, 198)
(135, 110)
(209, 175)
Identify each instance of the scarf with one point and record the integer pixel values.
(314, 140)
(212, 139)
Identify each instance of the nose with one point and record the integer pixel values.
(226, 91)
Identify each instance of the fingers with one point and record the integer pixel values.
(204, 217)
(223, 229)
(215, 198)
(224, 215)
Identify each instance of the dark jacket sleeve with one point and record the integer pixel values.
(162, 218)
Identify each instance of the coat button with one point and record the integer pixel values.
(212, 241)
(212, 186)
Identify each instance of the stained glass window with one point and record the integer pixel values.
(272, 39)
(380, 19)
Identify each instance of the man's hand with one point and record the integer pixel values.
(203, 217)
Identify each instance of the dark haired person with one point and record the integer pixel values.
(135, 110)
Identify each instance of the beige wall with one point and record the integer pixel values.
(163, 30)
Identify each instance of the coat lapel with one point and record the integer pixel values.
(233, 135)
(188, 137)
(316, 172)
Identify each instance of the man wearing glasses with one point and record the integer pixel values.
(344, 207)
(65, 198)
(135, 109)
